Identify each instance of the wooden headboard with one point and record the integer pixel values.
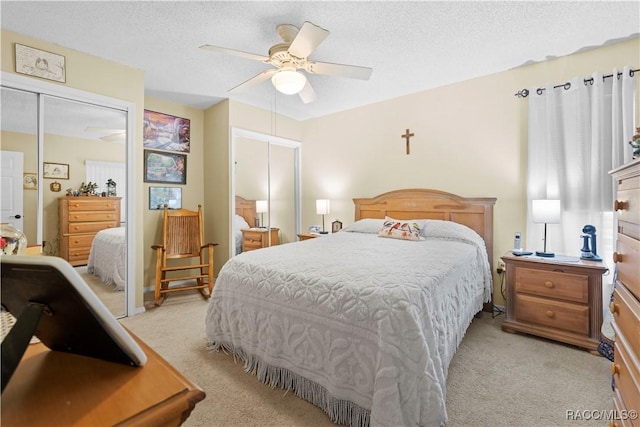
(417, 203)
(246, 209)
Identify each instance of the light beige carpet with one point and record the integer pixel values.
(114, 300)
(495, 378)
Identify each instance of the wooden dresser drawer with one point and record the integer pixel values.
(627, 259)
(89, 227)
(627, 203)
(81, 240)
(556, 314)
(79, 254)
(625, 376)
(93, 204)
(92, 216)
(553, 284)
(626, 313)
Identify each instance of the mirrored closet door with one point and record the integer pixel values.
(266, 181)
(68, 144)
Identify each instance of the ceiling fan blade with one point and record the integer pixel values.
(254, 81)
(234, 52)
(309, 37)
(96, 129)
(307, 94)
(116, 137)
(351, 71)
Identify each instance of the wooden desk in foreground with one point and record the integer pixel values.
(59, 389)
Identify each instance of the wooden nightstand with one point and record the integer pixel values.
(257, 238)
(554, 299)
(307, 236)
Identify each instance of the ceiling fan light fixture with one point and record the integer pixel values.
(289, 82)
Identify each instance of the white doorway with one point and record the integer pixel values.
(11, 181)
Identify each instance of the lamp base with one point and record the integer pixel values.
(545, 254)
(324, 232)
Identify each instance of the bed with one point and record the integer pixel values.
(361, 325)
(244, 218)
(108, 257)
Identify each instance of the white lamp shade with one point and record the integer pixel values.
(289, 82)
(262, 206)
(323, 206)
(545, 211)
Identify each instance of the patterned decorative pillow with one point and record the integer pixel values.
(400, 230)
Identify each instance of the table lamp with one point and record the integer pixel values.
(547, 212)
(323, 207)
(261, 207)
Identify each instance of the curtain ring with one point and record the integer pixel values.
(631, 73)
(567, 86)
(539, 91)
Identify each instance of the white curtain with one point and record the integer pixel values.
(101, 172)
(576, 136)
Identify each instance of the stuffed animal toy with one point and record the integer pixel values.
(635, 143)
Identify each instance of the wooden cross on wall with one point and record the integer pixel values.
(407, 136)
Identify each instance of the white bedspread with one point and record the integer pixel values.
(108, 256)
(362, 326)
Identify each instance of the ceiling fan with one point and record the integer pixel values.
(291, 56)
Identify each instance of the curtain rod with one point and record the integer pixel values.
(525, 92)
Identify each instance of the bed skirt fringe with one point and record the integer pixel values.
(339, 411)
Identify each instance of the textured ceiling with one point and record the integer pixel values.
(411, 46)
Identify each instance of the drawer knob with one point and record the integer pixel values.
(619, 205)
(550, 314)
(548, 284)
(615, 369)
(617, 257)
(614, 308)
(613, 424)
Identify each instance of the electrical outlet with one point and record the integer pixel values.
(501, 267)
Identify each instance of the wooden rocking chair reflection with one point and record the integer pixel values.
(182, 239)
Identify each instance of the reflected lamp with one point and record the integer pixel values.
(261, 207)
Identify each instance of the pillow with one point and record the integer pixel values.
(404, 230)
(368, 226)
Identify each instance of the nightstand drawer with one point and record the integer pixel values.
(257, 238)
(249, 245)
(553, 284)
(253, 236)
(626, 313)
(556, 314)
